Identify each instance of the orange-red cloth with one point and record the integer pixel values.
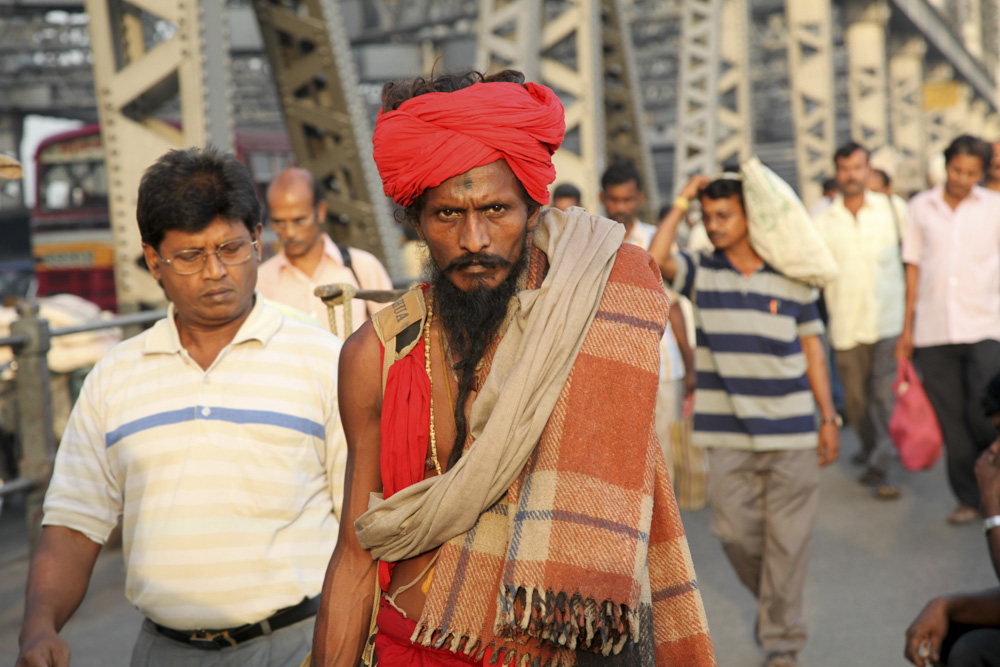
(405, 430)
(435, 136)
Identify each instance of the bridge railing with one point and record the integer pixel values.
(30, 339)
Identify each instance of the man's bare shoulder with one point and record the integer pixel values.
(361, 348)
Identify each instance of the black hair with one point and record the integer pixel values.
(395, 93)
(967, 144)
(884, 175)
(723, 188)
(848, 149)
(620, 173)
(829, 184)
(567, 190)
(991, 397)
(187, 190)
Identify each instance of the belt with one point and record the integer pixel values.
(216, 640)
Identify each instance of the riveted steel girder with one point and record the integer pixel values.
(509, 34)
(946, 109)
(735, 121)
(906, 75)
(570, 63)
(625, 131)
(146, 53)
(697, 121)
(867, 71)
(810, 56)
(317, 86)
(582, 49)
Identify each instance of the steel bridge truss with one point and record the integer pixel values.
(317, 86)
(147, 53)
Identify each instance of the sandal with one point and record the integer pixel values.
(887, 491)
(962, 514)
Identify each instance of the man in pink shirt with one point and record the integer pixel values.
(951, 327)
(308, 256)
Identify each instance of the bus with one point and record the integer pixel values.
(71, 237)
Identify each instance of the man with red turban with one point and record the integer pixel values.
(500, 504)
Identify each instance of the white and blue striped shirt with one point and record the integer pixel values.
(752, 391)
(228, 481)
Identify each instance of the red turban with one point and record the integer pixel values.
(433, 137)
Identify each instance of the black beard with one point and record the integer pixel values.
(470, 319)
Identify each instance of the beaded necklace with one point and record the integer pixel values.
(431, 462)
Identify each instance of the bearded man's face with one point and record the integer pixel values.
(475, 225)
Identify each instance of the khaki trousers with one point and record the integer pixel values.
(763, 505)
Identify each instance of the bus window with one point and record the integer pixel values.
(73, 185)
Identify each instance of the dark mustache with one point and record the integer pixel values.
(477, 259)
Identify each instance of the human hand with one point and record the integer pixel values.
(829, 443)
(695, 185)
(904, 345)
(988, 477)
(690, 383)
(925, 634)
(45, 649)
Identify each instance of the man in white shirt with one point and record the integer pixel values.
(309, 257)
(865, 303)
(215, 437)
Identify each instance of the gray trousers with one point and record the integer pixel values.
(285, 648)
(955, 377)
(763, 505)
(867, 373)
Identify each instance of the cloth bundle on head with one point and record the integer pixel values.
(435, 136)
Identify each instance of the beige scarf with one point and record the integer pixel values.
(530, 368)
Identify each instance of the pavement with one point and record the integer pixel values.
(873, 567)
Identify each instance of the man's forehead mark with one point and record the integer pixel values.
(467, 182)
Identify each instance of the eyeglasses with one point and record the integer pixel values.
(188, 262)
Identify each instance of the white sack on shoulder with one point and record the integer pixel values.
(781, 230)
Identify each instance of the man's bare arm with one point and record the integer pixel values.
(343, 620)
(904, 346)
(925, 634)
(988, 478)
(57, 582)
(819, 382)
(679, 327)
(663, 241)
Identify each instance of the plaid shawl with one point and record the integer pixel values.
(585, 559)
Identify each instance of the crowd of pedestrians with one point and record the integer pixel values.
(490, 468)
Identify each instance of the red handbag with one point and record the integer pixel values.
(913, 426)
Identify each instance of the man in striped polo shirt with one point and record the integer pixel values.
(759, 364)
(214, 437)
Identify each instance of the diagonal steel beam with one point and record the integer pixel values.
(317, 85)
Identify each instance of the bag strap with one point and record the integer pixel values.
(345, 255)
(398, 328)
(368, 655)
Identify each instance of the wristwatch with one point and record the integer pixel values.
(835, 419)
(991, 522)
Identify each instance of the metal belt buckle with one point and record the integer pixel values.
(207, 640)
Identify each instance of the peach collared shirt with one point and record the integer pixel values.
(279, 280)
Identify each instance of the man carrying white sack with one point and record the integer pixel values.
(760, 364)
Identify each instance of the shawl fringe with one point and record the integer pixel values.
(569, 621)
